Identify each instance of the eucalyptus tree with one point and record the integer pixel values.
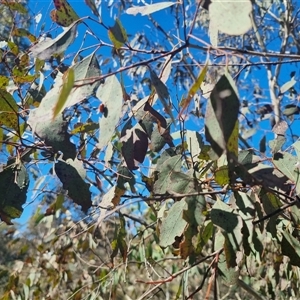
(162, 158)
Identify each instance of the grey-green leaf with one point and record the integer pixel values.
(221, 113)
(173, 225)
(44, 49)
(110, 93)
(14, 181)
(71, 175)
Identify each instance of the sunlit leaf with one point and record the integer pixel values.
(110, 94)
(233, 140)
(24, 33)
(8, 110)
(3, 81)
(20, 76)
(64, 15)
(148, 9)
(230, 17)
(222, 176)
(291, 109)
(87, 127)
(84, 71)
(193, 90)
(289, 84)
(68, 83)
(47, 47)
(13, 47)
(117, 34)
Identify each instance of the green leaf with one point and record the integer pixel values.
(88, 127)
(117, 34)
(168, 153)
(8, 110)
(24, 33)
(88, 67)
(19, 76)
(195, 214)
(13, 47)
(193, 90)
(245, 157)
(3, 81)
(224, 216)
(157, 140)
(270, 203)
(64, 15)
(38, 216)
(195, 217)
(68, 83)
(233, 140)
(14, 182)
(246, 209)
(205, 234)
(222, 175)
(19, 7)
(58, 203)
(181, 183)
(173, 225)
